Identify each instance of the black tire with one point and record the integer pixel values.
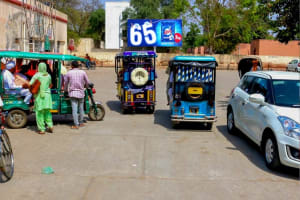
(209, 126)
(230, 122)
(270, 151)
(16, 119)
(100, 113)
(150, 109)
(192, 97)
(175, 124)
(124, 110)
(6, 158)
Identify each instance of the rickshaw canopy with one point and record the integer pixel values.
(39, 56)
(138, 54)
(194, 58)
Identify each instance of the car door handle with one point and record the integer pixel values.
(244, 102)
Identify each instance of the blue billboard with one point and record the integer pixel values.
(154, 32)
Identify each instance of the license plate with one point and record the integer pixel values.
(194, 110)
(195, 90)
(140, 96)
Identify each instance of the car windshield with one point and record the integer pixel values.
(287, 92)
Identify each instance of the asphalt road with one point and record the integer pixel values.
(139, 156)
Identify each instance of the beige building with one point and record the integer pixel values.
(26, 24)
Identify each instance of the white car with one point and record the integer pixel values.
(265, 106)
(294, 66)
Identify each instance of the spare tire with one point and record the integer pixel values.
(195, 91)
(139, 76)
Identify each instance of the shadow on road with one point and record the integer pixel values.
(252, 151)
(162, 117)
(57, 119)
(114, 106)
(222, 104)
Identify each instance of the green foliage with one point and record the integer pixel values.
(154, 9)
(193, 38)
(225, 23)
(79, 13)
(286, 19)
(96, 28)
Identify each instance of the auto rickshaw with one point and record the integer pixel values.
(136, 80)
(249, 63)
(191, 89)
(14, 104)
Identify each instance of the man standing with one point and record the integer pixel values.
(9, 83)
(75, 82)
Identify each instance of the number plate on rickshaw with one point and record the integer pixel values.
(194, 109)
(140, 96)
(195, 90)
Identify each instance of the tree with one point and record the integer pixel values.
(285, 18)
(193, 38)
(225, 23)
(96, 27)
(78, 12)
(154, 9)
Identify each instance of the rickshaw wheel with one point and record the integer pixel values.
(175, 124)
(6, 158)
(16, 119)
(100, 113)
(209, 125)
(124, 110)
(150, 109)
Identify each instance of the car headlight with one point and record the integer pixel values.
(290, 127)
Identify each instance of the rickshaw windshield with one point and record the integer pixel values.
(193, 72)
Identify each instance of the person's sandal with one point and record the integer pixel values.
(81, 125)
(41, 132)
(74, 127)
(50, 130)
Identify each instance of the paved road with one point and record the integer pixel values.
(135, 157)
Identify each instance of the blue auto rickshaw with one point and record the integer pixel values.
(191, 89)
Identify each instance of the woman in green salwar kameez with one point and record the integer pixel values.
(43, 100)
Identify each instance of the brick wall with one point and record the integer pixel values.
(242, 49)
(275, 48)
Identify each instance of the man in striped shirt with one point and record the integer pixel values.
(75, 82)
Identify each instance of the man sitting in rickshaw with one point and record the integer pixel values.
(9, 83)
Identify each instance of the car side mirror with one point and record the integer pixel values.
(257, 98)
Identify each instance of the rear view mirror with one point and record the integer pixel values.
(257, 98)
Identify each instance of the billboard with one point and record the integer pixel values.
(154, 32)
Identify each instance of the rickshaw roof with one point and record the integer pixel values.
(195, 58)
(43, 56)
(138, 54)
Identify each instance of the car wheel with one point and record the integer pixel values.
(230, 122)
(271, 154)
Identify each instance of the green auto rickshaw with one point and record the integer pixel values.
(13, 104)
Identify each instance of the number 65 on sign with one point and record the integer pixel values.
(153, 32)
